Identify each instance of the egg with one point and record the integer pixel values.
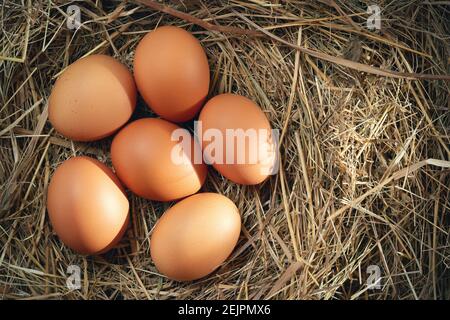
(87, 206)
(237, 139)
(172, 73)
(156, 164)
(195, 236)
(92, 98)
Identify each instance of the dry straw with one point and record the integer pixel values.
(364, 120)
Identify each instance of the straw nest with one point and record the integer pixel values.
(363, 180)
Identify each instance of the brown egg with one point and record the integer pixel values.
(150, 161)
(172, 73)
(87, 206)
(195, 236)
(92, 98)
(236, 139)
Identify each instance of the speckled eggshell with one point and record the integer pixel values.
(92, 98)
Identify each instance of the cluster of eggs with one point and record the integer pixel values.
(95, 98)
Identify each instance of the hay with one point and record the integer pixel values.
(364, 176)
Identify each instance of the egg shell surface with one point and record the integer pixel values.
(172, 73)
(87, 206)
(247, 154)
(195, 236)
(92, 98)
(143, 154)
